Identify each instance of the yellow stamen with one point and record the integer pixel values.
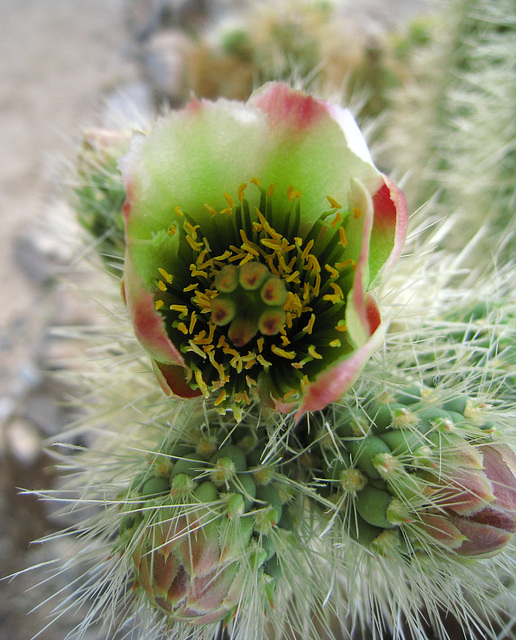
(270, 190)
(309, 327)
(193, 320)
(259, 344)
(237, 363)
(166, 275)
(251, 382)
(202, 385)
(162, 286)
(195, 271)
(357, 213)
(265, 363)
(293, 277)
(305, 382)
(313, 353)
(227, 210)
(282, 353)
(343, 240)
(192, 230)
(200, 338)
(247, 258)
(191, 287)
(341, 326)
(224, 256)
(337, 290)
(333, 203)
(193, 347)
(210, 209)
(172, 229)
(179, 212)
(221, 398)
(196, 246)
(229, 200)
(182, 308)
(288, 395)
(183, 328)
(255, 181)
(335, 343)
(284, 341)
(346, 263)
(218, 367)
(317, 285)
(307, 249)
(313, 263)
(241, 190)
(158, 304)
(271, 244)
(247, 247)
(292, 193)
(336, 220)
(332, 271)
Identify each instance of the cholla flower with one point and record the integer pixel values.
(254, 233)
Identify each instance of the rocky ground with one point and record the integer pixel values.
(65, 65)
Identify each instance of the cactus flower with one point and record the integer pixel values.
(254, 233)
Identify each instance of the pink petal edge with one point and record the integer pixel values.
(390, 209)
(283, 105)
(332, 384)
(148, 324)
(361, 200)
(172, 379)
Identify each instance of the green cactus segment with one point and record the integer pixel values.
(198, 535)
(403, 471)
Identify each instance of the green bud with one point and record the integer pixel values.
(402, 441)
(193, 465)
(182, 486)
(372, 505)
(434, 417)
(233, 452)
(273, 508)
(155, 486)
(457, 404)
(409, 395)
(363, 451)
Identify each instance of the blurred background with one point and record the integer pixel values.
(66, 65)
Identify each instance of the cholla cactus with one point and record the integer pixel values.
(363, 514)
(452, 127)
(410, 475)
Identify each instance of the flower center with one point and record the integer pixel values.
(248, 295)
(250, 299)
